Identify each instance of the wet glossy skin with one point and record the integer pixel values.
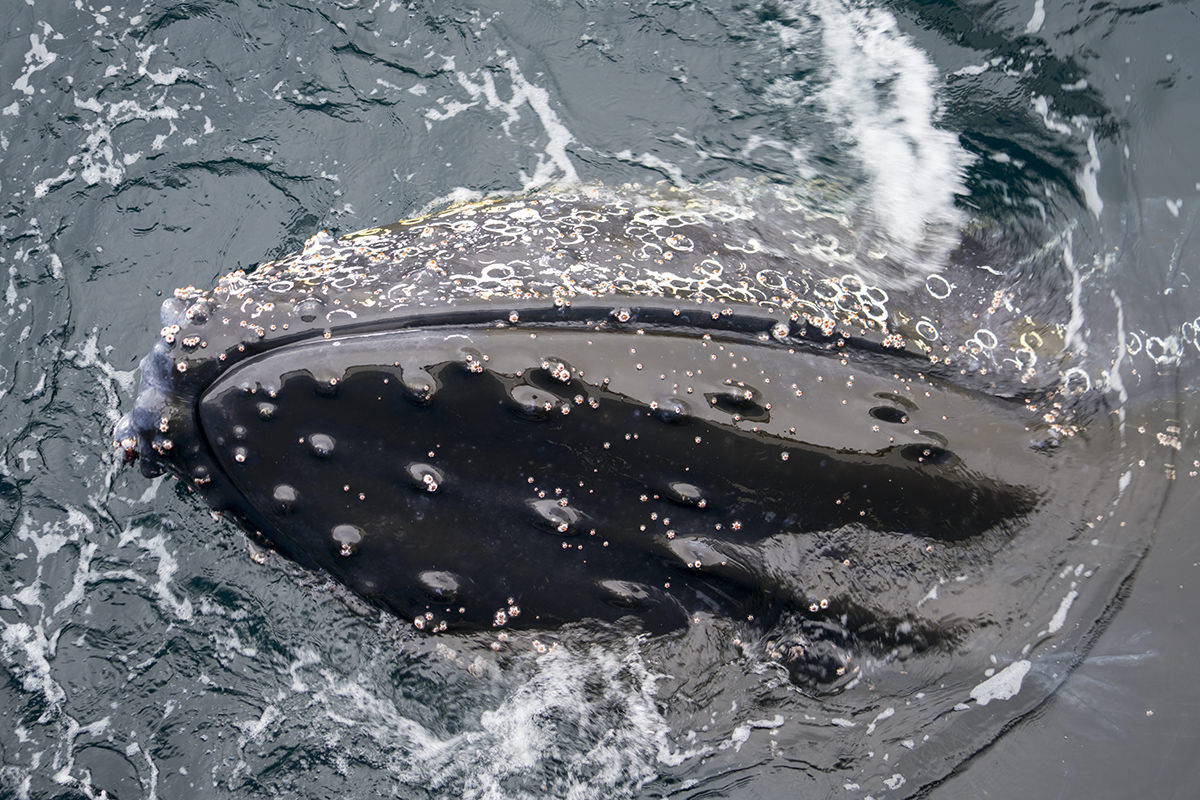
(653, 414)
(473, 475)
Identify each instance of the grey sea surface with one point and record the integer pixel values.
(1035, 154)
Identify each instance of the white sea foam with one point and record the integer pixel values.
(599, 700)
(1041, 105)
(553, 165)
(1087, 178)
(653, 162)
(160, 77)
(37, 58)
(741, 734)
(449, 109)
(87, 356)
(1072, 337)
(29, 644)
(915, 168)
(887, 713)
(1038, 18)
(1004, 685)
(100, 160)
(1060, 616)
(44, 187)
(1076, 128)
(253, 729)
(167, 567)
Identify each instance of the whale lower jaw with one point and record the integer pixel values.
(471, 472)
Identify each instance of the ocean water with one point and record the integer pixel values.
(1038, 155)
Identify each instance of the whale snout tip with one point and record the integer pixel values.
(127, 449)
(134, 444)
(125, 440)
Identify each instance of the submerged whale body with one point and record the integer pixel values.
(600, 405)
(700, 414)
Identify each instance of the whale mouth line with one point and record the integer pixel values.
(171, 381)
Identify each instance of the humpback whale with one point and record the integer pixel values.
(632, 406)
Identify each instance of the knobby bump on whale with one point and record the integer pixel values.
(634, 406)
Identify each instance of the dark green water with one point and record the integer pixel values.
(150, 146)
